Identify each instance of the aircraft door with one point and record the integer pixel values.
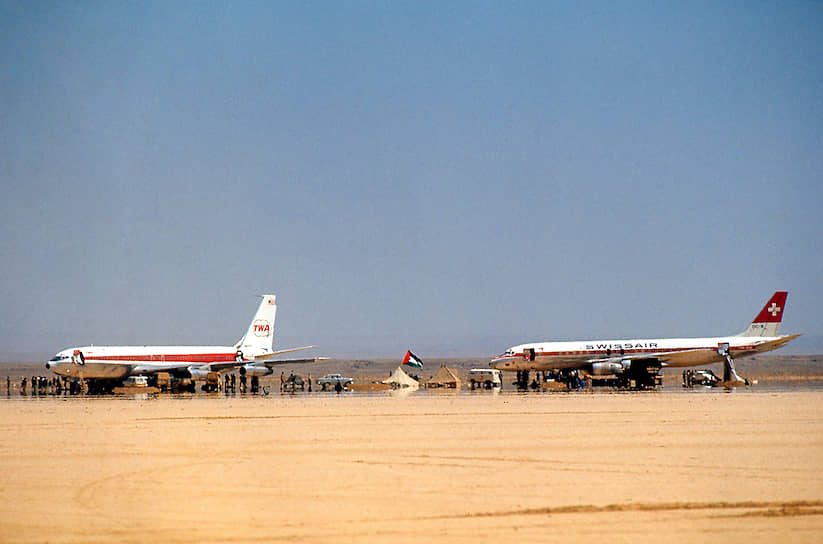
(528, 354)
(723, 349)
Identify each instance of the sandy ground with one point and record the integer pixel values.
(745, 466)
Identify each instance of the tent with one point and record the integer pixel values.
(445, 377)
(400, 379)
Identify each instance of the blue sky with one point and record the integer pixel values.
(452, 178)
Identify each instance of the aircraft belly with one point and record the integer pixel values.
(547, 363)
(559, 363)
(102, 371)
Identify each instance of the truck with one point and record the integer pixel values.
(485, 378)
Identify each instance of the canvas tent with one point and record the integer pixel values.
(445, 377)
(400, 379)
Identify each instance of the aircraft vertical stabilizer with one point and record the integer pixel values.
(260, 336)
(767, 322)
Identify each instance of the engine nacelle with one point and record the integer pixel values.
(197, 372)
(610, 368)
(256, 370)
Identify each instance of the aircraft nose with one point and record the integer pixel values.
(503, 362)
(58, 368)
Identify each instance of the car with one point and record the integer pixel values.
(705, 378)
(330, 381)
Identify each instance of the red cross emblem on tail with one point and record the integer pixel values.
(772, 312)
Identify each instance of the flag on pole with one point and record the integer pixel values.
(412, 360)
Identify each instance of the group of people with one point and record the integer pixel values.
(230, 384)
(59, 385)
(42, 385)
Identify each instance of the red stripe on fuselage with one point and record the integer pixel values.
(167, 358)
(616, 352)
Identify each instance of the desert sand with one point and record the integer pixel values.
(745, 466)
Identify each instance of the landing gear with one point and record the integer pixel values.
(730, 376)
(572, 379)
(522, 382)
(100, 387)
(551, 379)
(637, 376)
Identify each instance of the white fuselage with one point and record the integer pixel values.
(117, 362)
(578, 354)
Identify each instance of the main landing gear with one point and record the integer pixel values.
(522, 381)
(637, 376)
(571, 379)
(730, 376)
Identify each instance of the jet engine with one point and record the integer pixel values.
(612, 367)
(255, 370)
(198, 372)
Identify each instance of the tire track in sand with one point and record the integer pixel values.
(752, 509)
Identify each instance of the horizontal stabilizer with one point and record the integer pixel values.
(775, 344)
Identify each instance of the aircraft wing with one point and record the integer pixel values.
(273, 354)
(686, 357)
(292, 361)
(170, 367)
(223, 366)
(231, 365)
(150, 369)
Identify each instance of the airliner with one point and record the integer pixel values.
(252, 355)
(641, 359)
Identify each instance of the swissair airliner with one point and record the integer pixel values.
(640, 360)
(252, 355)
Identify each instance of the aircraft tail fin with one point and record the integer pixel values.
(259, 338)
(767, 322)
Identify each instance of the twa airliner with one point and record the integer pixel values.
(252, 354)
(640, 360)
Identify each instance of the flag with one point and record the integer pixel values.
(412, 360)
